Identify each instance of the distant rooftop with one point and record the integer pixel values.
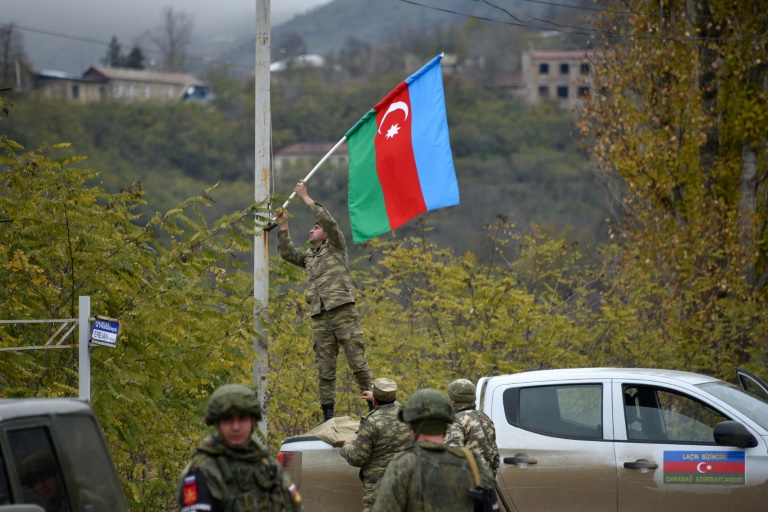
(310, 149)
(141, 75)
(560, 54)
(302, 61)
(52, 73)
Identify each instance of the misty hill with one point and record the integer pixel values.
(329, 27)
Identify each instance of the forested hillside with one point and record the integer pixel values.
(512, 159)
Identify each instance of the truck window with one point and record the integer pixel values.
(5, 488)
(569, 410)
(38, 468)
(94, 476)
(658, 414)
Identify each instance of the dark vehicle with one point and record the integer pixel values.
(53, 456)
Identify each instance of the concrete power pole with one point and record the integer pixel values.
(262, 173)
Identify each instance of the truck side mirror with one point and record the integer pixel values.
(733, 433)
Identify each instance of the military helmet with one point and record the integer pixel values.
(426, 405)
(462, 391)
(231, 400)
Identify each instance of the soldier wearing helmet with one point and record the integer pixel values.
(471, 428)
(230, 471)
(431, 475)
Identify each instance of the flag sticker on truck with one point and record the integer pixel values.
(719, 468)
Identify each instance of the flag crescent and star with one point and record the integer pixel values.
(394, 129)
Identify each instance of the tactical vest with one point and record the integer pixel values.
(444, 478)
(252, 487)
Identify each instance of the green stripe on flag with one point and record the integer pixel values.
(367, 210)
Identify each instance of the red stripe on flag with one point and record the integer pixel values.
(395, 163)
(717, 468)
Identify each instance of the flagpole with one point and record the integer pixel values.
(314, 169)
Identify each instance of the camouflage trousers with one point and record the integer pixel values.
(330, 329)
(369, 496)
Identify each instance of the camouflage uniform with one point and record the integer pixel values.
(331, 298)
(379, 437)
(475, 430)
(224, 479)
(430, 477)
(241, 478)
(471, 428)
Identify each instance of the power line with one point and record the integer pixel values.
(589, 31)
(102, 43)
(482, 18)
(638, 13)
(535, 19)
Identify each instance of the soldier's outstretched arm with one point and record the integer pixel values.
(285, 245)
(358, 453)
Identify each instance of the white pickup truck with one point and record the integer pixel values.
(597, 440)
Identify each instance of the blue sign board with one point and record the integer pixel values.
(105, 331)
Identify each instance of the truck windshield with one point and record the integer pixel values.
(749, 405)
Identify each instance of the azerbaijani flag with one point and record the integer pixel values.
(709, 467)
(400, 162)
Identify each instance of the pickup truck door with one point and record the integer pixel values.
(666, 456)
(547, 433)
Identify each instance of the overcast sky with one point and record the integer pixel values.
(101, 19)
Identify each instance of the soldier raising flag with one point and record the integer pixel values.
(331, 298)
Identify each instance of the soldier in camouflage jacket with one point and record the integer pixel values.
(331, 298)
(379, 437)
(229, 471)
(430, 476)
(471, 428)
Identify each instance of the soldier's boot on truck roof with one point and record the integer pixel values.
(327, 412)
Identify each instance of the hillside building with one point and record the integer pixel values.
(561, 75)
(120, 84)
(308, 154)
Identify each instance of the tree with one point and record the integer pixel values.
(116, 59)
(114, 56)
(11, 52)
(679, 127)
(134, 59)
(355, 56)
(186, 311)
(173, 38)
(290, 47)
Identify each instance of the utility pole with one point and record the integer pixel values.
(262, 167)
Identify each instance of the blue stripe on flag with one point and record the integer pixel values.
(429, 134)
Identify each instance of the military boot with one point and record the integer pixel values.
(327, 412)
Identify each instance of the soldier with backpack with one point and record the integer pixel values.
(431, 476)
